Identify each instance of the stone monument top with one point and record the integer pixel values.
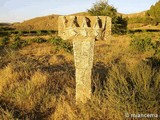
(71, 27)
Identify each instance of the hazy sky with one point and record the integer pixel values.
(20, 10)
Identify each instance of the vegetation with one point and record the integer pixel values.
(61, 44)
(37, 74)
(4, 41)
(137, 20)
(8, 31)
(153, 14)
(133, 89)
(17, 43)
(38, 40)
(38, 81)
(102, 8)
(39, 23)
(141, 43)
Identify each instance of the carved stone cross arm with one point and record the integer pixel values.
(98, 27)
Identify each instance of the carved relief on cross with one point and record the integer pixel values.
(71, 27)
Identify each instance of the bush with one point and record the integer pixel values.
(4, 33)
(4, 40)
(16, 38)
(61, 44)
(18, 43)
(157, 48)
(141, 44)
(20, 33)
(50, 32)
(38, 40)
(39, 32)
(119, 25)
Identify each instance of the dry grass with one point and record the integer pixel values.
(142, 26)
(38, 83)
(135, 15)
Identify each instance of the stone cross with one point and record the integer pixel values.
(84, 30)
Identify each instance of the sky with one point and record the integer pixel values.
(20, 10)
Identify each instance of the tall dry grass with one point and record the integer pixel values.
(38, 83)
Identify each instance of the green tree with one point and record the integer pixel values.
(102, 8)
(154, 13)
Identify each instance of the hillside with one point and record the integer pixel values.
(50, 22)
(39, 23)
(81, 14)
(42, 23)
(4, 24)
(134, 15)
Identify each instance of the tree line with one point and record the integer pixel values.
(119, 24)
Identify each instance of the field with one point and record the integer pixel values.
(37, 78)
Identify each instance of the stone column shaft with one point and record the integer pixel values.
(83, 56)
(83, 84)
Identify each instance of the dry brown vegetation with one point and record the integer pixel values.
(134, 15)
(39, 23)
(37, 73)
(37, 82)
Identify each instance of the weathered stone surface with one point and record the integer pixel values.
(83, 84)
(108, 28)
(83, 52)
(83, 57)
(98, 27)
(84, 30)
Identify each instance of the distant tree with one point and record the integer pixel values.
(102, 8)
(153, 14)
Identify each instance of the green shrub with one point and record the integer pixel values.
(16, 38)
(141, 44)
(20, 33)
(39, 32)
(4, 33)
(38, 40)
(15, 45)
(4, 40)
(61, 44)
(18, 43)
(119, 25)
(25, 32)
(50, 32)
(157, 48)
